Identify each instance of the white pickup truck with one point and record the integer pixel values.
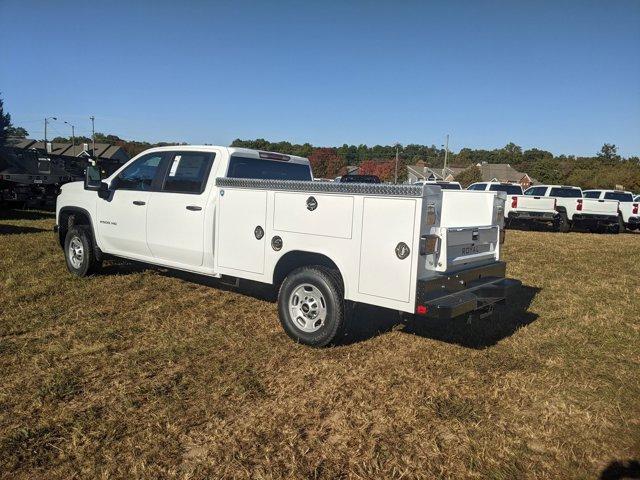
(245, 214)
(574, 210)
(628, 215)
(520, 208)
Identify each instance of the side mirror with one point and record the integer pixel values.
(93, 180)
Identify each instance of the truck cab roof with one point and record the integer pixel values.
(246, 152)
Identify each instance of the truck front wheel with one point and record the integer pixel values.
(79, 252)
(311, 305)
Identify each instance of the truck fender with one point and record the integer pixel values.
(80, 217)
(300, 258)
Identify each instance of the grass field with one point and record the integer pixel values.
(140, 373)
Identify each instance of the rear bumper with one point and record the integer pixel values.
(448, 296)
(540, 216)
(595, 219)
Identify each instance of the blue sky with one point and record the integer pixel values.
(560, 75)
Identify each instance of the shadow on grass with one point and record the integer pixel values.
(14, 229)
(369, 321)
(15, 214)
(619, 470)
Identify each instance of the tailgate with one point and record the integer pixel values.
(529, 203)
(468, 246)
(600, 207)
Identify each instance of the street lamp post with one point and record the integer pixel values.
(73, 136)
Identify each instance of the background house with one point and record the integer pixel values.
(503, 172)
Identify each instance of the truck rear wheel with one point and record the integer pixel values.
(79, 252)
(311, 305)
(562, 223)
(621, 227)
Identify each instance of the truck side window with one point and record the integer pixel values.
(140, 174)
(188, 172)
(245, 167)
(591, 194)
(478, 186)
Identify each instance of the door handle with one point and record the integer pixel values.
(139, 202)
(193, 208)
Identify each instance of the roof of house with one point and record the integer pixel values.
(502, 172)
(103, 150)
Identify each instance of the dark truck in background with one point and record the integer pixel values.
(31, 178)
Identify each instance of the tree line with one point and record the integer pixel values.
(605, 169)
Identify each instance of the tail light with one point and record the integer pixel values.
(429, 244)
(635, 208)
(422, 309)
(579, 207)
(514, 202)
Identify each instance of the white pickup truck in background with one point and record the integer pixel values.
(521, 209)
(574, 210)
(441, 183)
(245, 214)
(628, 215)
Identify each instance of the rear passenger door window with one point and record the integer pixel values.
(188, 172)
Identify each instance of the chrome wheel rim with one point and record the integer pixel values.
(308, 308)
(76, 252)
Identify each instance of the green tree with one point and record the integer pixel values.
(609, 152)
(5, 124)
(469, 176)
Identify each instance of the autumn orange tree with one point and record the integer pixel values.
(326, 163)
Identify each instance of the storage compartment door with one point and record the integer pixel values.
(385, 271)
(241, 212)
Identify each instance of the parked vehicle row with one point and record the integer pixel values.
(564, 207)
(236, 213)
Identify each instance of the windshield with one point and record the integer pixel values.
(620, 196)
(245, 167)
(565, 192)
(508, 189)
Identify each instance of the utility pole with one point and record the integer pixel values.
(93, 136)
(395, 177)
(46, 121)
(446, 154)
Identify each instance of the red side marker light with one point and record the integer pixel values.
(421, 310)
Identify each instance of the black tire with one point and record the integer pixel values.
(562, 223)
(84, 262)
(325, 292)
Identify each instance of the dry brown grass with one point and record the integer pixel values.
(143, 374)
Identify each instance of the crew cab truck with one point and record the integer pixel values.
(245, 214)
(628, 214)
(574, 210)
(519, 208)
